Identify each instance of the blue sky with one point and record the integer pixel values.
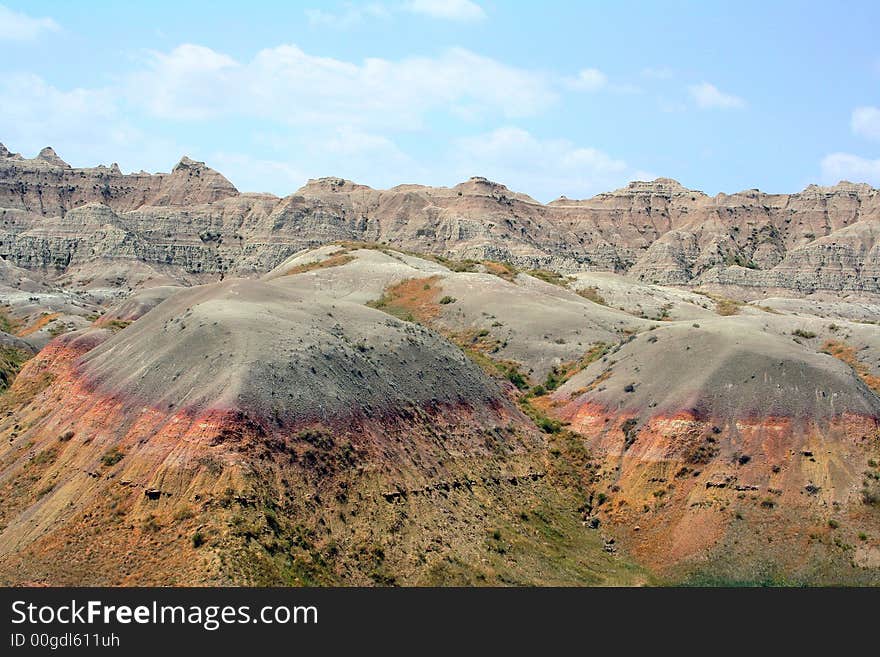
(551, 98)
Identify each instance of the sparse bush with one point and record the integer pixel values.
(513, 375)
(45, 457)
(151, 524)
(112, 456)
(447, 300)
(198, 540)
(183, 513)
(870, 497)
(592, 294)
(549, 276)
(833, 524)
(802, 333)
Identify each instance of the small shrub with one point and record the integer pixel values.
(116, 325)
(833, 524)
(198, 540)
(183, 513)
(45, 457)
(112, 456)
(66, 436)
(151, 524)
(513, 375)
(549, 276)
(592, 294)
(447, 300)
(801, 333)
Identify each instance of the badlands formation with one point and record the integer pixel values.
(434, 385)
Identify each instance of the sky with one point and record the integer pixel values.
(550, 98)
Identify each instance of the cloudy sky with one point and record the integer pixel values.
(549, 98)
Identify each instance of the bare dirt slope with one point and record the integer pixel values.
(243, 433)
(733, 455)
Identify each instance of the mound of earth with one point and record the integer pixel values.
(731, 454)
(243, 432)
(487, 307)
(137, 305)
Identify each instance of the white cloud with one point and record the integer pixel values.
(289, 85)
(253, 174)
(17, 26)
(843, 166)
(659, 73)
(544, 168)
(866, 122)
(289, 160)
(34, 112)
(708, 96)
(671, 106)
(349, 16)
(588, 79)
(85, 126)
(455, 10)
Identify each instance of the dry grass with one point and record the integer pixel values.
(8, 323)
(413, 300)
(11, 360)
(334, 260)
(40, 323)
(550, 277)
(592, 294)
(724, 306)
(843, 352)
(117, 325)
(501, 269)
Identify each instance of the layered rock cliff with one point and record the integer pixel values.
(194, 221)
